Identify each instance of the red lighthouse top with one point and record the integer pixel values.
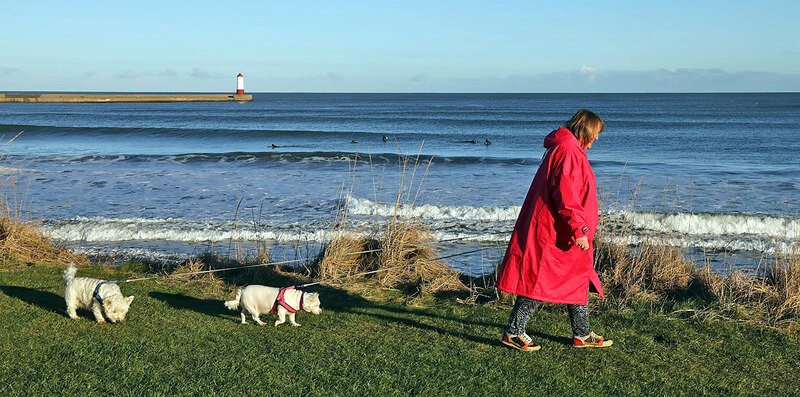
(240, 75)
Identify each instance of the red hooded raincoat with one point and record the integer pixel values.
(542, 261)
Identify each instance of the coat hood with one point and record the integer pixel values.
(559, 136)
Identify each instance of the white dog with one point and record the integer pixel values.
(101, 297)
(259, 299)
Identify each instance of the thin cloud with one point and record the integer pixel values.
(167, 73)
(204, 74)
(129, 74)
(419, 78)
(8, 71)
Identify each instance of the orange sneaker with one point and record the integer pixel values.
(521, 342)
(591, 340)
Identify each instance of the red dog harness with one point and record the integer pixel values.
(281, 301)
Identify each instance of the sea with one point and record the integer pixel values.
(718, 174)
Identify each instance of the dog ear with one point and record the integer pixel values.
(315, 297)
(107, 302)
(128, 300)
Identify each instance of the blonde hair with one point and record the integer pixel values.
(584, 124)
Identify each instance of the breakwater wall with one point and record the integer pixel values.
(103, 98)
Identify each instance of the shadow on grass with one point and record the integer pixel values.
(338, 300)
(332, 299)
(416, 324)
(43, 299)
(426, 313)
(420, 313)
(563, 340)
(697, 292)
(209, 307)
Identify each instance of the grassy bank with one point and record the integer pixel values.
(179, 339)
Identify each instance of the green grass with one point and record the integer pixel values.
(178, 339)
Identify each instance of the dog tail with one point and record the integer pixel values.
(232, 305)
(69, 273)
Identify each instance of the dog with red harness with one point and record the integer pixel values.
(260, 299)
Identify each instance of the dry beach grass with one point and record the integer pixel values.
(770, 297)
(403, 257)
(652, 270)
(23, 242)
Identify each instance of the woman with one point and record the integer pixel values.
(550, 256)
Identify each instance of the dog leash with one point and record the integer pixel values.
(281, 301)
(387, 269)
(283, 263)
(237, 267)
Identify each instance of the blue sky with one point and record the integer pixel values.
(401, 46)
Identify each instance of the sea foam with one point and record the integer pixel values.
(713, 224)
(489, 224)
(360, 206)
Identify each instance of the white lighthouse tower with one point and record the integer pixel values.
(240, 84)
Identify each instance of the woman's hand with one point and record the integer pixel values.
(582, 242)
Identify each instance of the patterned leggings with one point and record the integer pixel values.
(524, 308)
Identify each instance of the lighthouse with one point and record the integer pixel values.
(240, 84)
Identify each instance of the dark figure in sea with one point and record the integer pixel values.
(385, 138)
(486, 142)
(353, 141)
(274, 146)
(474, 141)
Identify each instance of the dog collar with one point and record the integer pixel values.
(96, 294)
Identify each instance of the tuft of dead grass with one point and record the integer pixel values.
(405, 260)
(648, 271)
(343, 256)
(22, 241)
(410, 248)
(232, 271)
(784, 279)
(771, 298)
(194, 265)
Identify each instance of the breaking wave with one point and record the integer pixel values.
(360, 206)
(103, 230)
(705, 224)
(448, 223)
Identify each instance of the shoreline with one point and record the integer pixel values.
(108, 98)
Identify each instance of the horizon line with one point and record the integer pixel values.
(409, 92)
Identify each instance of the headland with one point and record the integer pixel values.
(103, 98)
